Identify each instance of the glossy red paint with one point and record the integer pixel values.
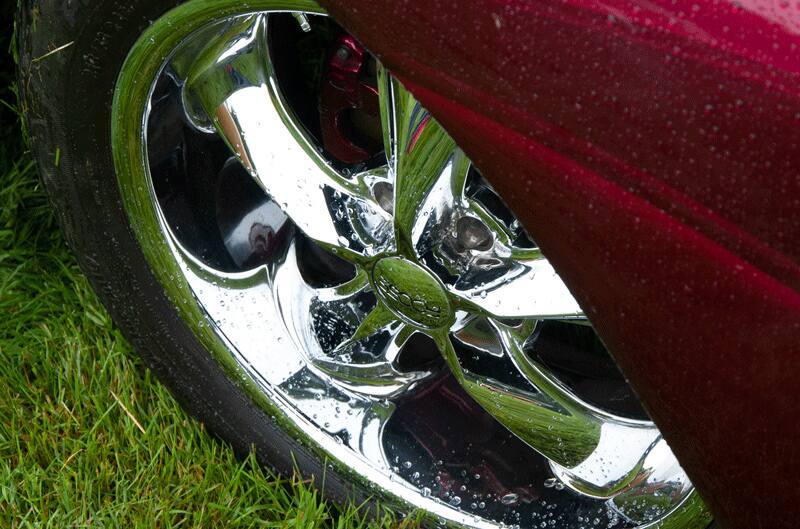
(652, 148)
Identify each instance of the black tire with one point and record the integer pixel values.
(66, 97)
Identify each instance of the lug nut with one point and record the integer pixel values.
(384, 195)
(473, 234)
(343, 53)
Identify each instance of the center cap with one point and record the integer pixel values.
(412, 293)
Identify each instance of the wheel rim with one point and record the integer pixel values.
(330, 373)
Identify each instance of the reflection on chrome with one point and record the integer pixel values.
(429, 261)
(233, 82)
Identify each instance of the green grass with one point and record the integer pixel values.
(88, 437)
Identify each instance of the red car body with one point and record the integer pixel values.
(652, 148)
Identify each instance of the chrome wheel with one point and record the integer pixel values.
(387, 310)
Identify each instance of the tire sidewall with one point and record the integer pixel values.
(67, 101)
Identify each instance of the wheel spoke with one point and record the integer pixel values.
(581, 441)
(345, 290)
(377, 374)
(378, 320)
(342, 333)
(232, 84)
(429, 170)
(528, 287)
(528, 410)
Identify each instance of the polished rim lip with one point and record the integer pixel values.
(131, 100)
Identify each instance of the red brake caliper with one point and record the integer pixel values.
(348, 99)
